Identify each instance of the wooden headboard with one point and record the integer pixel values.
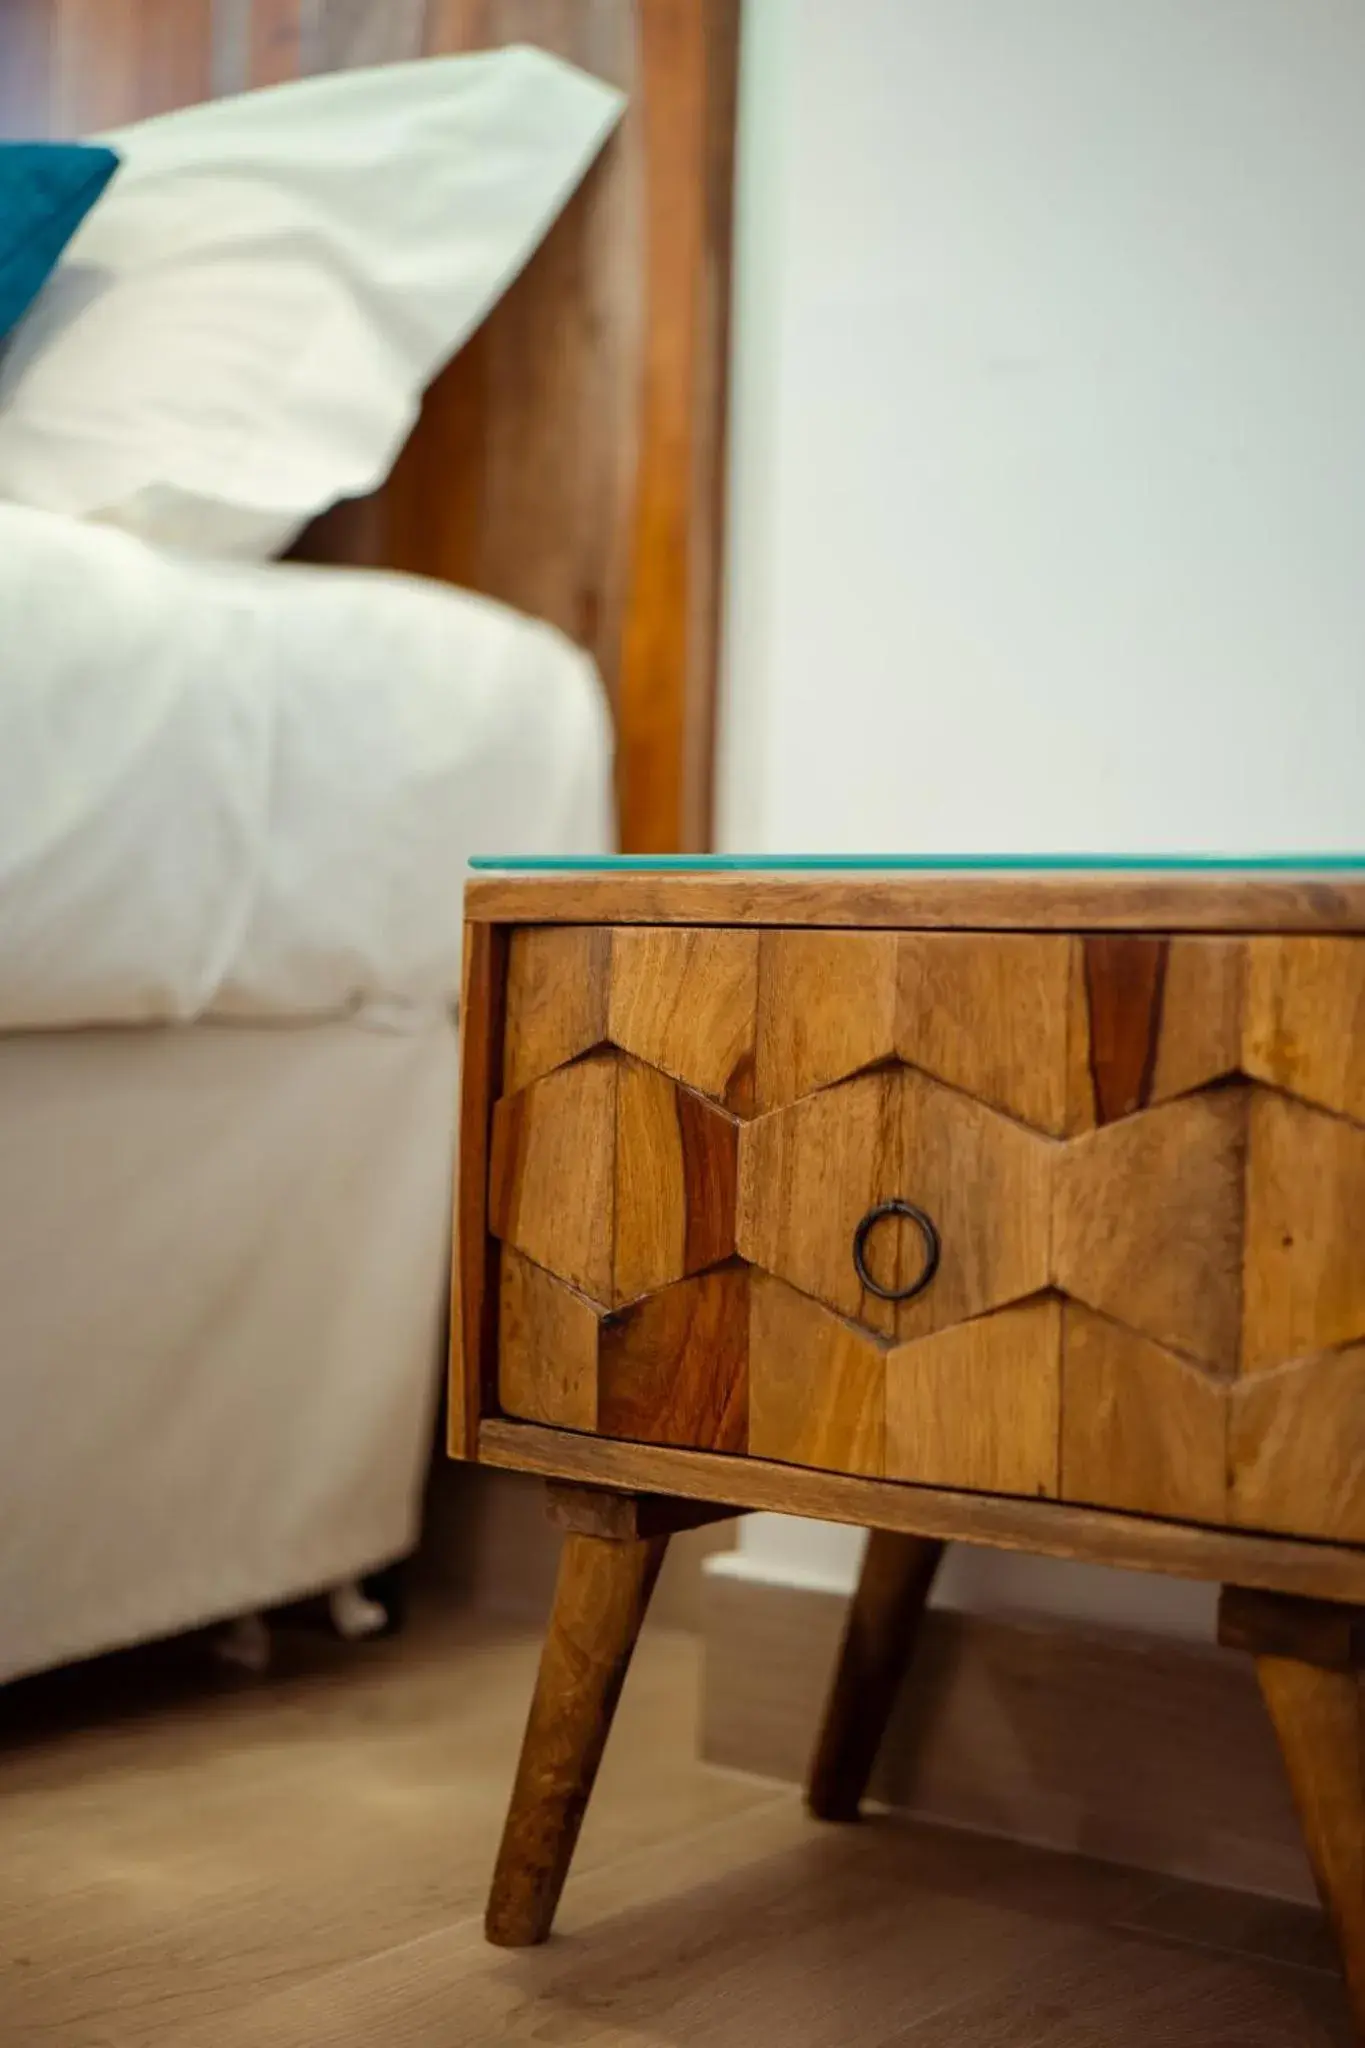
(570, 460)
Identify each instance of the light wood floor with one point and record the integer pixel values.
(299, 1862)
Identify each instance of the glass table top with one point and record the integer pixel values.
(925, 863)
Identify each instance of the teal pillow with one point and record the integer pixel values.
(46, 190)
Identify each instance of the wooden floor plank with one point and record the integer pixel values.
(1131, 1994)
(1239, 1923)
(300, 1862)
(153, 1872)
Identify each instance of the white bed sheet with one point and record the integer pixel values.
(252, 791)
(223, 1270)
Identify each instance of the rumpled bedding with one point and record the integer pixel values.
(251, 791)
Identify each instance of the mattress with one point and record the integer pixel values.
(251, 790)
(223, 1280)
(236, 804)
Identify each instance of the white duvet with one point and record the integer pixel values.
(252, 791)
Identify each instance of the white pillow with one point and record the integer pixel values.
(241, 331)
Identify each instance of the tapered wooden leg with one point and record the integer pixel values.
(879, 1636)
(600, 1600)
(1318, 1719)
(1308, 1656)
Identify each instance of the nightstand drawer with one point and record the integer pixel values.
(1030, 1213)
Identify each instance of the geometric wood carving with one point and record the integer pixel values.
(985, 1012)
(552, 1176)
(685, 1002)
(675, 1182)
(613, 1177)
(1125, 976)
(826, 1009)
(547, 1357)
(1297, 1448)
(1200, 1037)
(979, 1405)
(807, 1176)
(673, 1368)
(1144, 1156)
(1141, 1429)
(670, 1369)
(1304, 1027)
(682, 1001)
(987, 1183)
(973, 1406)
(817, 1384)
(1147, 1224)
(809, 1173)
(1305, 1232)
(557, 985)
(988, 1013)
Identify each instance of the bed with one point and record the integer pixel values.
(225, 1241)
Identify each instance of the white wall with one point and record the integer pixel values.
(1048, 505)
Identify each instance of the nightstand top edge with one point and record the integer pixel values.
(1233, 900)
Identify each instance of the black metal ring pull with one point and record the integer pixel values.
(933, 1250)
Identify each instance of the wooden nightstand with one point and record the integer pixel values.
(1011, 1209)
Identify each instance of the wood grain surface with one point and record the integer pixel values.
(807, 1177)
(1125, 980)
(552, 1173)
(1201, 1015)
(626, 1517)
(1320, 1570)
(1305, 1273)
(979, 1405)
(26, 94)
(891, 901)
(1141, 1429)
(1147, 1223)
(1319, 1718)
(271, 38)
(613, 1177)
(674, 1368)
(685, 1002)
(709, 1145)
(817, 1384)
(547, 1348)
(878, 1643)
(1296, 1447)
(1202, 1237)
(810, 1173)
(473, 1318)
(1304, 1027)
(675, 1183)
(1060, 1033)
(600, 1601)
(1320, 1632)
(558, 987)
(96, 64)
(328, 1875)
(665, 695)
(652, 1209)
(682, 1001)
(584, 431)
(670, 1368)
(987, 1183)
(827, 1006)
(989, 1014)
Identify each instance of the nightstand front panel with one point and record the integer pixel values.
(1143, 1159)
(810, 1173)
